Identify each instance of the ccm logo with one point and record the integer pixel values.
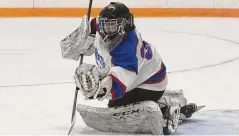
(126, 113)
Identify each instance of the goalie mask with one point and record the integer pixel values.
(115, 19)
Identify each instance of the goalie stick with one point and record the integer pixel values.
(73, 116)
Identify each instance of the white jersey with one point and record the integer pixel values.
(133, 63)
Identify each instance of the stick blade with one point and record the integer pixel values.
(72, 126)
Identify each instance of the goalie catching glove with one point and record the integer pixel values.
(92, 81)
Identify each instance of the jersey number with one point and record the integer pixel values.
(146, 51)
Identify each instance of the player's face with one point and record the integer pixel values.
(110, 26)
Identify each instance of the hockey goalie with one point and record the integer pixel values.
(130, 73)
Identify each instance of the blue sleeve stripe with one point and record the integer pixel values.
(118, 88)
(158, 77)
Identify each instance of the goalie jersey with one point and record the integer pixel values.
(133, 63)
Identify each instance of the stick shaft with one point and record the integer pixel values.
(73, 116)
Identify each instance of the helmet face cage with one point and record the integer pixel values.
(111, 27)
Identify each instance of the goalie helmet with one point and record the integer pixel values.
(115, 19)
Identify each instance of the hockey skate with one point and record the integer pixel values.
(173, 114)
(188, 110)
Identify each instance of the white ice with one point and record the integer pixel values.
(37, 88)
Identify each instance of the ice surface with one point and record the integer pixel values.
(37, 88)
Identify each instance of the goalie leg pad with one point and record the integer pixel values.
(172, 97)
(140, 117)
